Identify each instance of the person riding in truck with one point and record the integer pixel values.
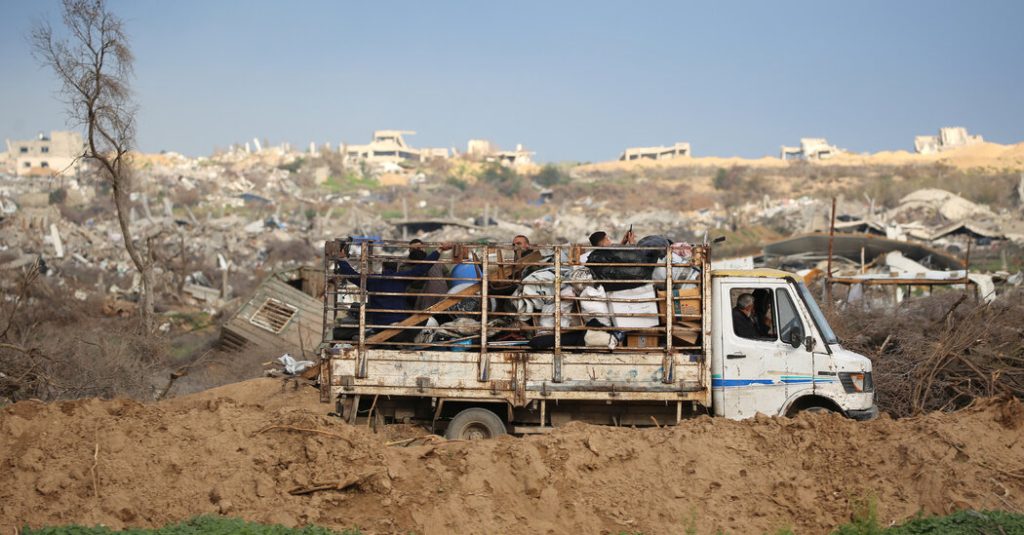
(389, 282)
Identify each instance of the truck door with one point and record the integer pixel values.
(754, 360)
(799, 376)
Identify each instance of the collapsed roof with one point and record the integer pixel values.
(813, 248)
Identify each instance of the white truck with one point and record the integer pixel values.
(680, 354)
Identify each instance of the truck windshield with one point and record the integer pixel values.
(819, 318)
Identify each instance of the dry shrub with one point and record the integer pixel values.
(289, 252)
(940, 352)
(55, 347)
(186, 197)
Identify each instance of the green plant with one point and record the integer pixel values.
(503, 179)
(691, 525)
(982, 522)
(292, 166)
(549, 176)
(349, 182)
(865, 522)
(58, 196)
(456, 182)
(728, 179)
(865, 518)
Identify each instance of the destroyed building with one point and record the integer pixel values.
(677, 150)
(55, 154)
(484, 150)
(950, 137)
(390, 146)
(811, 148)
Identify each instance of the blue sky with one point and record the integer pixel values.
(571, 80)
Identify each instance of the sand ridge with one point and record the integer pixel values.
(982, 155)
(241, 449)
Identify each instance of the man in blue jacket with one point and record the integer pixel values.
(387, 282)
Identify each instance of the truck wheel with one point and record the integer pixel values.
(475, 424)
(816, 410)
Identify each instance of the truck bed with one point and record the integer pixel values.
(381, 371)
(520, 377)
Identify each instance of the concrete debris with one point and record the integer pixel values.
(484, 150)
(231, 232)
(949, 137)
(811, 251)
(948, 205)
(677, 150)
(58, 245)
(811, 148)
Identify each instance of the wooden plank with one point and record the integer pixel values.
(416, 319)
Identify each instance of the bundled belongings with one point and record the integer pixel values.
(619, 264)
(650, 250)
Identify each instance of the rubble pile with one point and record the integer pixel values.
(207, 223)
(218, 228)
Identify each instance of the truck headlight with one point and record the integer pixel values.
(856, 382)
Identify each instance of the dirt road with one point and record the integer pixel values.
(238, 450)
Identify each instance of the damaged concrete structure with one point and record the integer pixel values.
(811, 148)
(950, 137)
(484, 150)
(808, 250)
(677, 150)
(390, 146)
(56, 154)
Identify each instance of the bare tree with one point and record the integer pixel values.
(94, 64)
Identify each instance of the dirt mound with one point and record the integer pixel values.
(269, 453)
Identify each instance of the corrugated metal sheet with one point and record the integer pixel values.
(300, 335)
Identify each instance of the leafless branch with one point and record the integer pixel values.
(94, 64)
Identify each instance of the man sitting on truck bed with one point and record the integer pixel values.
(601, 239)
(387, 282)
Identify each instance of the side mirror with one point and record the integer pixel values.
(809, 343)
(796, 337)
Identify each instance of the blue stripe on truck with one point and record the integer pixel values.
(720, 383)
(740, 382)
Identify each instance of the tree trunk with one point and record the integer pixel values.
(144, 267)
(146, 299)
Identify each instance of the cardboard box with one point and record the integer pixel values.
(687, 303)
(642, 340)
(646, 307)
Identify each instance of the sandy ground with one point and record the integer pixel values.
(124, 463)
(983, 155)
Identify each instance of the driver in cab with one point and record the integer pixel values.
(744, 321)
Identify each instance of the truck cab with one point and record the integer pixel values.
(793, 363)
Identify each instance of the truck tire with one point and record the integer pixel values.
(475, 424)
